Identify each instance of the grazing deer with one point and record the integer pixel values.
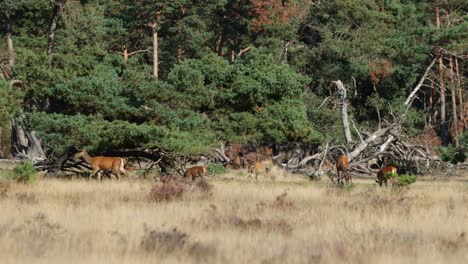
(382, 175)
(342, 165)
(194, 172)
(258, 166)
(99, 163)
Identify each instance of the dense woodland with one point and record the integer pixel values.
(184, 76)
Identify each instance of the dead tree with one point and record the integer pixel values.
(386, 143)
(344, 111)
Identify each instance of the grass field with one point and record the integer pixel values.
(286, 220)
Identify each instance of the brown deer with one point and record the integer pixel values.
(382, 175)
(342, 166)
(194, 172)
(100, 163)
(259, 166)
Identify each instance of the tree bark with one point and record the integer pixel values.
(125, 53)
(219, 43)
(443, 121)
(420, 83)
(454, 102)
(344, 111)
(154, 26)
(53, 27)
(460, 96)
(9, 40)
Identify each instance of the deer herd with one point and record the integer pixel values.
(117, 166)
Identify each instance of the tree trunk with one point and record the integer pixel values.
(454, 102)
(443, 121)
(219, 43)
(125, 53)
(27, 144)
(179, 34)
(344, 111)
(432, 113)
(154, 26)
(9, 40)
(53, 27)
(460, 96)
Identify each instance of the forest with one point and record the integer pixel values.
(221, 120)
(185, 76)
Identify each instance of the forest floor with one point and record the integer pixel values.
(279, 219)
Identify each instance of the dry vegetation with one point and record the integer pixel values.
(286, 220)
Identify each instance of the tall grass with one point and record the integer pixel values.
(242, 221)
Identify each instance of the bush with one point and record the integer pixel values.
(163, 242)
(401, 180)
(452, 154)
(24, 173)
(168, 191)
(405, 179)
(171, 190)
(216, 169)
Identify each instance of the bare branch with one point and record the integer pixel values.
(409, 100)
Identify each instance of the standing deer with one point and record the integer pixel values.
(99, 163)
(194, 172)
(382, 175)
(342, 165)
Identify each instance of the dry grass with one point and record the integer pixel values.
(285, 220)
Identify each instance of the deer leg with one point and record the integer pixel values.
(117, 172)
(121, 168)
(99, 176)
(95, 170)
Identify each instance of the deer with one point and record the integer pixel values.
(194, 172)
(101, 163)
(257, 166)
(382, 175)
(342, 165)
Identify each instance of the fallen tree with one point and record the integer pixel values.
(385, 145)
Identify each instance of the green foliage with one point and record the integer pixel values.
(455, 154)
(24, 173)
(452, 154)
(404, 179)
(10, 101)
(86, 95)
(97, 134)
(216, 169)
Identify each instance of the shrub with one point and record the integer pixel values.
(405, 179)
(216, 169)
(167, 191)
(171, 190)
(452, 154)
(24, 173)
(163, 242)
